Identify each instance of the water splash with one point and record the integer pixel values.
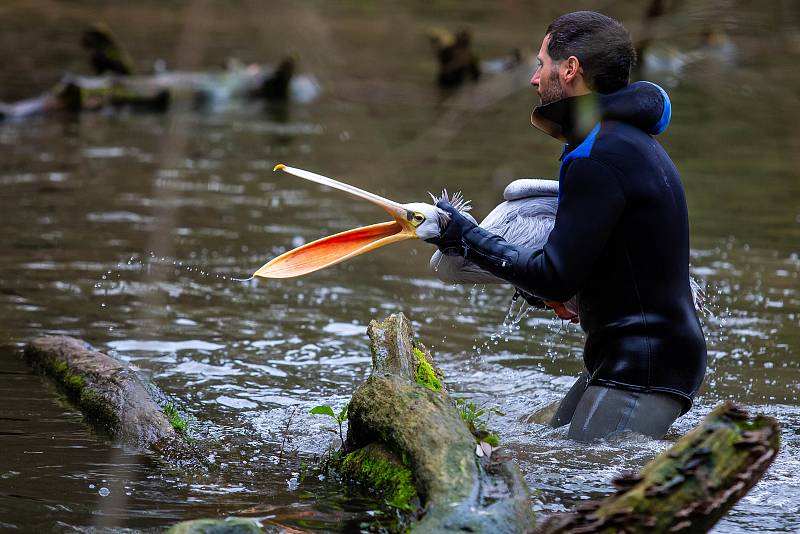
(518, 309)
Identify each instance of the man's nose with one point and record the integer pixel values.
(537, 75)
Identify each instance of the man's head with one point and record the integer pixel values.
(582, 52)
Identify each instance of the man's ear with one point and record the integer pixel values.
(571, 69)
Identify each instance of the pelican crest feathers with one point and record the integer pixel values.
(457, 200)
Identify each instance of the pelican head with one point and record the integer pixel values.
(415, 220)
(435, 219)
(426, 219)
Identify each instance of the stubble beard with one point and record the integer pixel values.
(553, 91)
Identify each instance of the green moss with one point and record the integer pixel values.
(175, 419)
(99, 408)
(74, 382)
(78, 391)
(426, 376)
(58, 367)
(375, 468)
(492, 440)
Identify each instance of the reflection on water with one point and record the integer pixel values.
(108, 239)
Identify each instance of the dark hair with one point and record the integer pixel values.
(601, 44)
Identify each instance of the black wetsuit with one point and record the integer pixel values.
(620, 243)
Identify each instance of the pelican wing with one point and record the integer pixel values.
(530, 187)
(526, 222)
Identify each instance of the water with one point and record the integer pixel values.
(130, 230)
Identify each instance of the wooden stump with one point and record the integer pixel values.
(402, 419)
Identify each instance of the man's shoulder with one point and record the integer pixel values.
(617, 140)
(618, 147)
(613, 133)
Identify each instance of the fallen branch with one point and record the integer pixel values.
(109, 394)
(687, 488)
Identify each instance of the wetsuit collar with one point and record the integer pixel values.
(641, 104)
(568, 120)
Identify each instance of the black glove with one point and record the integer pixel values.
(533, 300)
(450, 240)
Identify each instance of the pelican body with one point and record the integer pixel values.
(525, 219)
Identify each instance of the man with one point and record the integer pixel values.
(620, 240)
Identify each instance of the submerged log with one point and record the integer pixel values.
(406, 439)
(74, 94)
(687, 488)
(110, 395)
(157, 93)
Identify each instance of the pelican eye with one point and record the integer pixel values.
(417, 218)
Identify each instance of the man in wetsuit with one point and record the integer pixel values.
(621, 237)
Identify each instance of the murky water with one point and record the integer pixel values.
(126, 230)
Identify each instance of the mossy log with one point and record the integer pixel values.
(689, 487)
(406, 438)
(109, 394)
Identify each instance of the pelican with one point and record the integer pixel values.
(525, 219)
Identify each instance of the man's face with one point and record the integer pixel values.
(546, 78)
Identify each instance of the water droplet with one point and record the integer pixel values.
(104, 492)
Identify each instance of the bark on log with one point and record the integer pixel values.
(402, 418)
(109, 394)
(689, 487)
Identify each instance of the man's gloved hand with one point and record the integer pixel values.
(449, 241)
(532, 300)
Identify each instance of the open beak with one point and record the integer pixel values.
(345, 245)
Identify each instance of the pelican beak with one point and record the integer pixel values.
(345, 245)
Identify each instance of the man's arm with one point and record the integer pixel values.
(590, 206)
